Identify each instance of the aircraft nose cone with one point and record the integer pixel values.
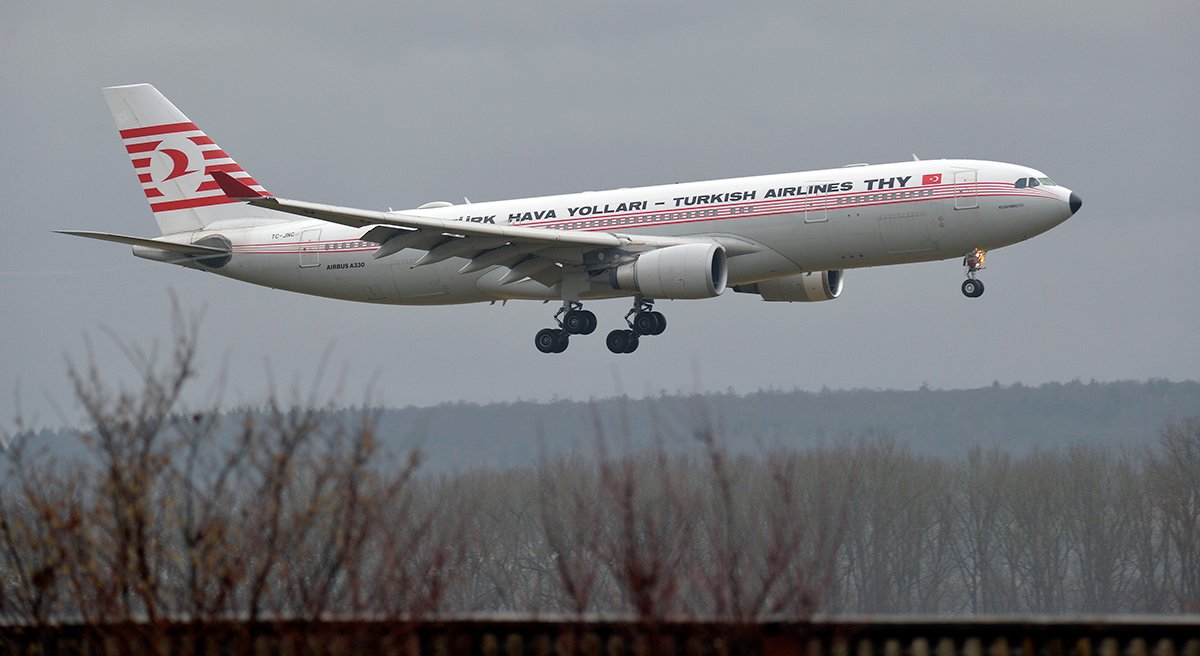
(1075, 202)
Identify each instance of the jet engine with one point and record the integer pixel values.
(801, 287)
(683, 271)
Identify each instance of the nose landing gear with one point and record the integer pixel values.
(972, 287)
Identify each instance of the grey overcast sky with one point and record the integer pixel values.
(396, 104)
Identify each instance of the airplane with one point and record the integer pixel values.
(786, 237)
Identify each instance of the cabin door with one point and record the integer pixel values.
(310, 255)
(966, 196)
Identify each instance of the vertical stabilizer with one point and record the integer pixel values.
(174, 160)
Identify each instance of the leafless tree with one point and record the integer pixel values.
(977, 501)
(1175, 477)
(573, 525)
(1100, 525)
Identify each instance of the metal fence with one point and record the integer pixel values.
(858, 636)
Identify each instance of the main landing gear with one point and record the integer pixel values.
(971, 287)
(642, 320)
(575, 321)
(572, 319)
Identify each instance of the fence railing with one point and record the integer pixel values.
(845, 636)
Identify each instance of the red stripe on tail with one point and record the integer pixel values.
(189, 203)
(158, 129)
(142, 147)
(212, 185)
(226, 168)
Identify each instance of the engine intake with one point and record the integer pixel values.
(684, 271)
(801, 287)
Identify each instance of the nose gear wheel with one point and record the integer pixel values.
(972, 288)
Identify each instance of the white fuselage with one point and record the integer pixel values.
(850, 217)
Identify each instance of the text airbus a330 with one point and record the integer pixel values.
(785, 237)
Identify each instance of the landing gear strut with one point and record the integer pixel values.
(643, 321)
(971, 287)
(575, 321)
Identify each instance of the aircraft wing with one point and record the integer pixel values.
(521, 249)
(357, 218)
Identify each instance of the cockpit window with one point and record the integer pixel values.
(1033, 182)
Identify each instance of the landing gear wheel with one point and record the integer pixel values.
(661, 321)
(579, 322)
(551, 340)
(564, 340)
(972, 288)
(632, 343)
(622, 341)
(645, 323)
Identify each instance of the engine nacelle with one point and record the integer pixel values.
(684, 271)
(802, 287)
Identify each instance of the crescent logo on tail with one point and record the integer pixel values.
(179, 163)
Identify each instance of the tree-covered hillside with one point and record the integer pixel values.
(1014, 418)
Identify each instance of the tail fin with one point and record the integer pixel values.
(174, 160)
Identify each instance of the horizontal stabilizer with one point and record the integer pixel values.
(171, 247)
(233, 187)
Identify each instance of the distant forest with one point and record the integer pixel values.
(1014, 418)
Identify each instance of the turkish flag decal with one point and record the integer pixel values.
(931, 178)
